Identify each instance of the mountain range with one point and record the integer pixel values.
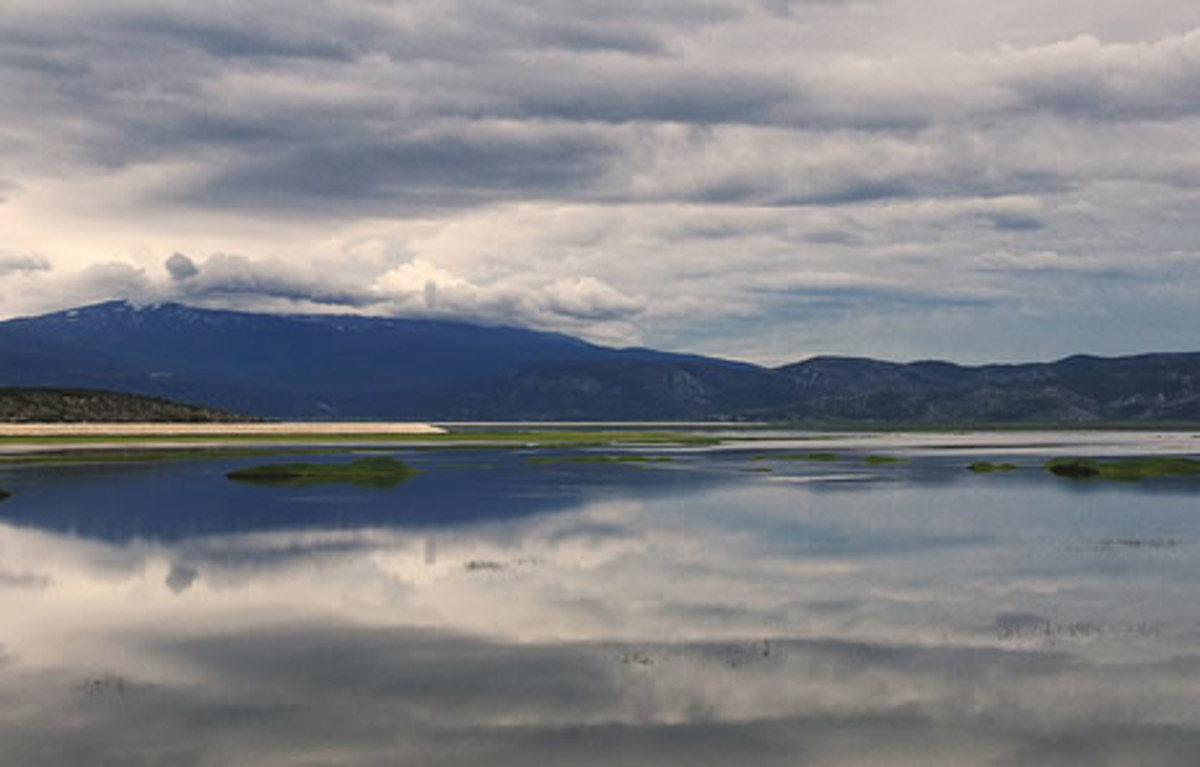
(354, 367)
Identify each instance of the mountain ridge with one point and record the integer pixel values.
(357, 367)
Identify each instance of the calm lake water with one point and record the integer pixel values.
(708, 610)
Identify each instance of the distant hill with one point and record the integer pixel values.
(351, 367)
(1080, 389)
(28, 405)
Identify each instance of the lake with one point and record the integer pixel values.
(733, 604)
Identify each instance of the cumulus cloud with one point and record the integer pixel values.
(232, 276)
(180, 267)
(584, 304)
(587, 298)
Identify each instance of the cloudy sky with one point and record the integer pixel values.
(761, 179)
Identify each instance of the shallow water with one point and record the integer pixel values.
(700, 611)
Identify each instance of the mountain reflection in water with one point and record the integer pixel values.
(694, 612)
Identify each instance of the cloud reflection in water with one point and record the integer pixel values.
(962, 621)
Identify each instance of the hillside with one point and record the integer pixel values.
(1080, 389)
(351, 367)
(347, 367)
(28, 405)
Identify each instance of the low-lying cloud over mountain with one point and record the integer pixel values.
(762, 179)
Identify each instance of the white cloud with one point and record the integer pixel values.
(585, 305)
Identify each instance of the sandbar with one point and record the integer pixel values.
(314, 428)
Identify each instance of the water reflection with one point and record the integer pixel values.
(694, 613)
(181, 500)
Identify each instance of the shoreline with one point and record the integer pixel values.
(301, 428)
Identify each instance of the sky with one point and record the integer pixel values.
(758, 179)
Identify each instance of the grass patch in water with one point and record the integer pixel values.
(795, 457)
(1123, 469)
(380, 472)
(629, 459)
(4, 494)
(880, 460)
(987, 467)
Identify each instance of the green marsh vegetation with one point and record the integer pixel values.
(581, 438)
(883, 460)
(871, 460)
(1123, 469)
(795, 457)
(987, 467)
(602, 459)
(378, 472)
(482, 438)
(76, 449)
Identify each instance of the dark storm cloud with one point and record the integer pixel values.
(833, 237)
(850, 191)
(952, 176)
(416, 173)
(817, 301)
(1085, 78)
(243, 35)
(180, 267)
(670, 95)
(1016, 222)
(403, 112)
(141, 83)
(233, 30)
